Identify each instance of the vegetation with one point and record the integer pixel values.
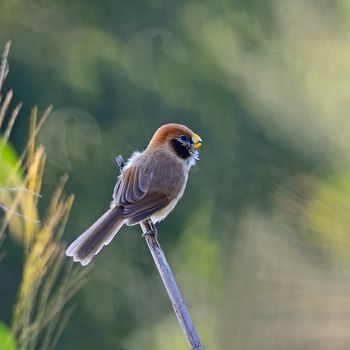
(262, 230)
(47, 282)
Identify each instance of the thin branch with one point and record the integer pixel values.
(11, 210)
(16, 213)
(37, 129)
(20, 189)
(5, 105)
(150, 234)
(42, 120)
(4, 69)
(12, 122)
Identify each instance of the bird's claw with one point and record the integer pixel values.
(149, 229)
(149, 233)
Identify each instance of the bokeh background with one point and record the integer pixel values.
(260, 244)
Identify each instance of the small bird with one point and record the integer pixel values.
(148, 187)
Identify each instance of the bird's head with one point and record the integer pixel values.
(182, 140)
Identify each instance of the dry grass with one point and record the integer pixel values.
(48, 281)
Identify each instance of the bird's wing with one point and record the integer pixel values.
(132, 193)
(132, 185)
(145, 208)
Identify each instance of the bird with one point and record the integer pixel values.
(149, 186)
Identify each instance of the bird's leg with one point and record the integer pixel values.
(149, 228)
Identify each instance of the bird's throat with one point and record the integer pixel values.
(180, 149)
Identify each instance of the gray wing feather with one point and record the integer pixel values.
(132, 185)
(144, 179)
(132, 193)
(135, 218)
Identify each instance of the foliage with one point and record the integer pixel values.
(7, 341)
(262, 227)
(47, 282)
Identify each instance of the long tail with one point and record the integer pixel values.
(89, 243)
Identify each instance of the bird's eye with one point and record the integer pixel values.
(183, 137)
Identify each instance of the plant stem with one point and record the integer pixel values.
(3, 64)
(150, 234)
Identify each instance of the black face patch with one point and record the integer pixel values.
(182, 149)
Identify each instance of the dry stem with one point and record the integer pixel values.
(150, 234)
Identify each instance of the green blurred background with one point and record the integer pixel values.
(260, 244)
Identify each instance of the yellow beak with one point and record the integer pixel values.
(197, 141)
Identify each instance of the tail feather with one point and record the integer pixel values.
(101, 233)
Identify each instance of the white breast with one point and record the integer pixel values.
(163, 213)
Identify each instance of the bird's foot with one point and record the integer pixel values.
(149, 229)
(148, 233)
